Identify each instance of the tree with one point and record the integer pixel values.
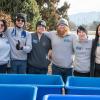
(51, 13)
(63, 10)
(6, 16)
(24, 6)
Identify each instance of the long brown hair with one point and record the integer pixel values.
(5, 24)
(62, 33)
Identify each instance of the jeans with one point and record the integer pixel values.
(64, 72)
(36, 70)
(97, 70)
(3, 68)
(18, 66)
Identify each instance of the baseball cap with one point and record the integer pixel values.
(41, 22)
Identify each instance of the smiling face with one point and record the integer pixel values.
(62, 29)
(82, 35)
(1, 26)
(40, 29)
(20, 22)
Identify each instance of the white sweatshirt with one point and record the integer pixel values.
(4, 50)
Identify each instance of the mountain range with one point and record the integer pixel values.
(85, 18)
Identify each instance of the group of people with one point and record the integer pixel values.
(31, 53)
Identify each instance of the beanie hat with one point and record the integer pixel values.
(41, 22)
(20, 16)
(62, 21)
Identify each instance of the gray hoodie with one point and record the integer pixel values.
(4, 50)
(15, 34)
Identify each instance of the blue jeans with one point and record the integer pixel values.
(18, 66)
(3, 68)
(64, 72)
(36, 70)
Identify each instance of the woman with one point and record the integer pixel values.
(4, 47)
(95, 54)
(82, 50)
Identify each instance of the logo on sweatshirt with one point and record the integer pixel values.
(78, 48)
(67, 40)
(35, 41)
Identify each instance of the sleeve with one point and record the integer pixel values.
(74, 41)
(9, 31)
(48, 34)
(28, 47)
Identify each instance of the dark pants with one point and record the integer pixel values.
(97, 70)
(19, 66)
(36, 70)
(75, 73)
(64, 72)
(3, 68)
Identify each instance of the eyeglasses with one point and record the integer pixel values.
(1, 25)
(20, 20)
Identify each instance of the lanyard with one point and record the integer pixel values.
(98, 44)
(23, 33)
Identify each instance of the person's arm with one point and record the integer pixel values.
(48, 34)
(74, 40)
(50, 54)
(28, 46)
(9, 31)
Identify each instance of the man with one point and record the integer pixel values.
(20, 41)
(62, 49)
(38, 58)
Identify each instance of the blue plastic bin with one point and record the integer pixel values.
(83, 85)
(17, 92)
(47, 84)
(71, 97)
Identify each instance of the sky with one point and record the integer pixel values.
(78, 6)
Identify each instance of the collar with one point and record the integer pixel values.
(19, 29)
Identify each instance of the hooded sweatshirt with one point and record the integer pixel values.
(4, 50)
(15, 34)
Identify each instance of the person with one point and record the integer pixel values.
(38, 57)
(20, 41)
(62, 49)
(4, 47)
(95, 54)
(82, 51)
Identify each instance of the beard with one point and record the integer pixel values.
(62, 32)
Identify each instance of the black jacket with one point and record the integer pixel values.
(38, 56)
(92, 61)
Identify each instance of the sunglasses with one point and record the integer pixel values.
(22, 20)
(40, 26)
(2, 25)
